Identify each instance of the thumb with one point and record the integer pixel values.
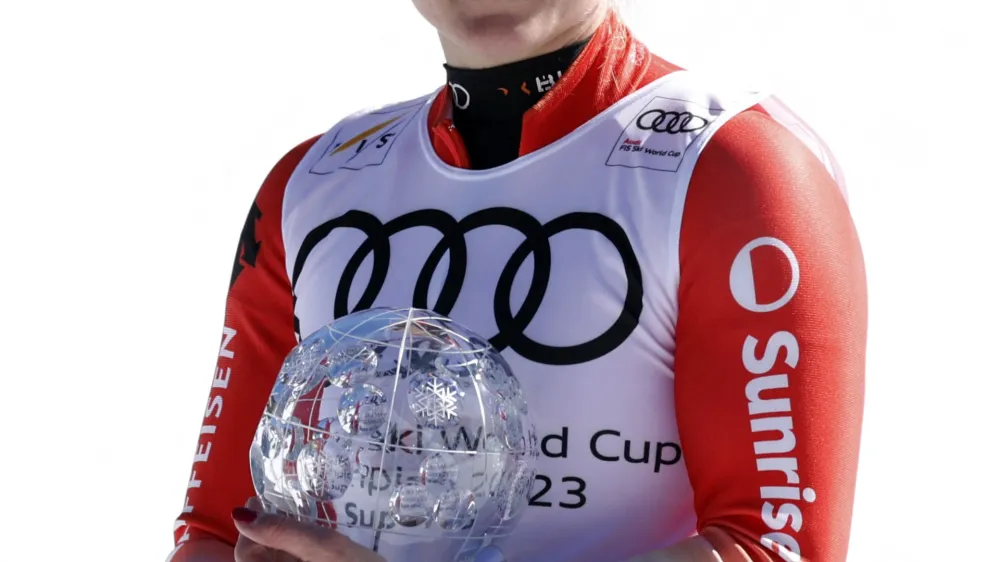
(302, 540)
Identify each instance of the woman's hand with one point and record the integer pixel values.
(275, 538)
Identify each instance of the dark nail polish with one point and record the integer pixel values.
(244, 515)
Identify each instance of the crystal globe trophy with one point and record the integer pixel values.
(406, 431)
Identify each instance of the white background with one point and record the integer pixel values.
(133, 136)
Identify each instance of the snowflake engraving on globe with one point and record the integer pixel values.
(404, 429)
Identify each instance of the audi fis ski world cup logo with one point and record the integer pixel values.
(511, 324)
(660, 134)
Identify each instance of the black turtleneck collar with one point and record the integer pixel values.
(488, 103)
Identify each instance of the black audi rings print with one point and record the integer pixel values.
(511, 325)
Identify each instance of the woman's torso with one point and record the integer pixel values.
(566, 259)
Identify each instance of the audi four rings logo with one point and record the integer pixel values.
(672, 122)
(511, 324)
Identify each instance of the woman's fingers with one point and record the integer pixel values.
(302, 540)
(249, 551)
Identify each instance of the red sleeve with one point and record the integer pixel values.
(771, 338)
(259, 331)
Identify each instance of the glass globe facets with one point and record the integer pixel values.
(439, 468)
(363, 409)
(510, 425)
(356, 363)
(324, 469)
(297, 369)
(401, 427)
(410, 505)
(516, 493)
(455, 509)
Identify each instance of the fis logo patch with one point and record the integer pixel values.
(364, 142)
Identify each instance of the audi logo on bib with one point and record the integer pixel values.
(671, 122)
(511, 324)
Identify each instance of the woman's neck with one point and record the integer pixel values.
(488, 104)
(517, 48)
